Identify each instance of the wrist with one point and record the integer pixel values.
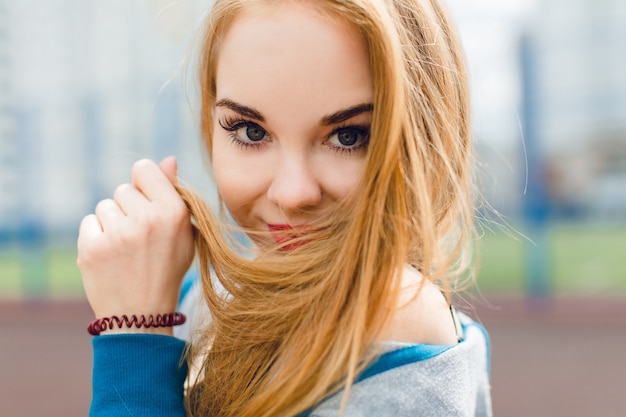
(150, 324)
(164, 331)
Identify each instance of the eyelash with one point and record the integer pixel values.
(362, 130)
(232, 124)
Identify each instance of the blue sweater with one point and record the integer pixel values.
(142, 375)
(138, 375)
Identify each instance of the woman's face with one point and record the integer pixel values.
(294, 98)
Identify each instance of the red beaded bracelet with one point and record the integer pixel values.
(161, 320)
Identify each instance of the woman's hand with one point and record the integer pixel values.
(134, 251)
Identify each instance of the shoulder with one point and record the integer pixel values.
(422, 314)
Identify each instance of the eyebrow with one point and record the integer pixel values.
(330, 119)
(343, 115)
(241, 109)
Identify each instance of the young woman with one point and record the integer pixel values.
(340, 144)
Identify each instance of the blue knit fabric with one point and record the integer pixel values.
(138, 375)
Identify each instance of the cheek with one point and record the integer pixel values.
(238, 180)
(341, 175)
(230, 185)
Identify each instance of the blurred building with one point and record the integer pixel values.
(86, 88)
(94, 87)
(7, 143)
(574, 57)
(549, 105)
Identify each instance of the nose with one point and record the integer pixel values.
(294, 187)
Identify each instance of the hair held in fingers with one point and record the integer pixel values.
(288, 328)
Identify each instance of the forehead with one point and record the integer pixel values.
(294, 54)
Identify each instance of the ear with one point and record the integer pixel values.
(169, 166)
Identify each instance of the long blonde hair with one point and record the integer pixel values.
(295, 327)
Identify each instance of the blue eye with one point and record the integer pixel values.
(244, 132)
(252, 132)
(349, 138)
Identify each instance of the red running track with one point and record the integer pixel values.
(566, 357)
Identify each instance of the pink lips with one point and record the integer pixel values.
(283, 233)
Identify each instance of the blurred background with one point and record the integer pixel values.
(87, 88)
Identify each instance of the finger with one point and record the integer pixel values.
(129, 198)
(169, 166)
(109, 214)
(152, 181)
(89, 227)
(88, 233)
